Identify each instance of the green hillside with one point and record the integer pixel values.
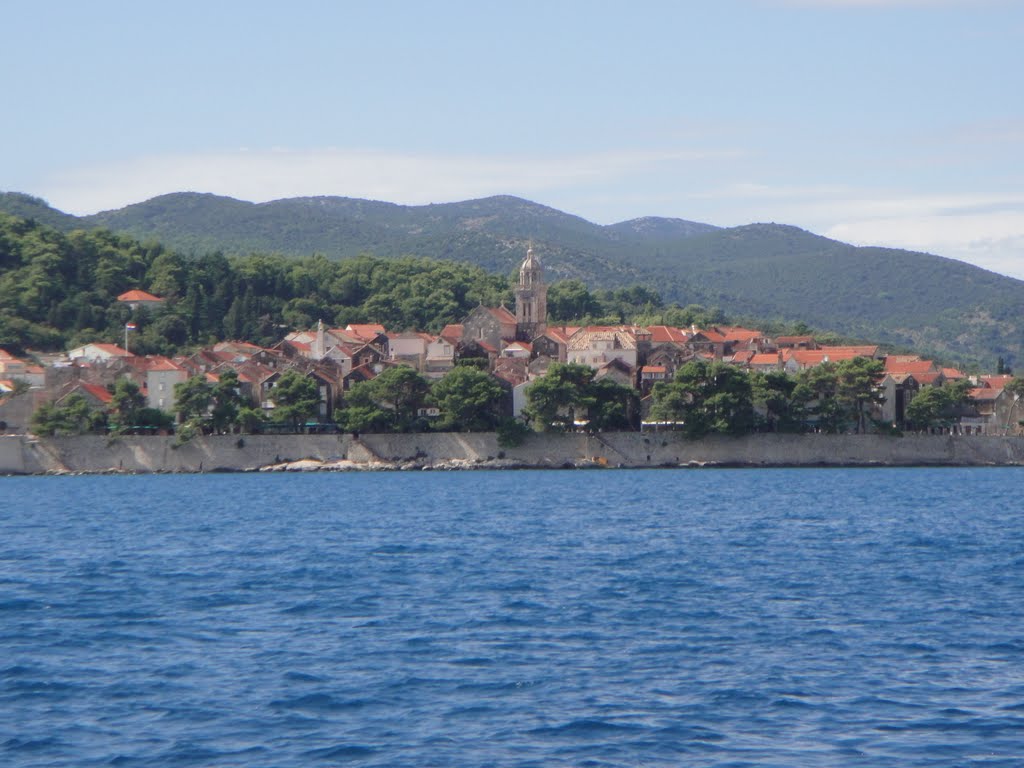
(768, 271)
(28, 207)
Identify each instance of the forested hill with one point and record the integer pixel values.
(769, 271)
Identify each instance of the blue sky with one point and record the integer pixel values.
(884, 122)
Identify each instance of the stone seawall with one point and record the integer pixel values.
(27, 455)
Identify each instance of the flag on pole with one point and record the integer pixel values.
(129, 326)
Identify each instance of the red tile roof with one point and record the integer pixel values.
(709, 334)
(664, 334)
(100, 393)
(985, 393)
(764, 358)
(997, 382)
(561, 335)
(735, 333)
(137, 295)
(365, 331)
(451, 332)
(905, 364)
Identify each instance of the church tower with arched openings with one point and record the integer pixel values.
(531, 299)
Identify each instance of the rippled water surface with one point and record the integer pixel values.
(615, 618)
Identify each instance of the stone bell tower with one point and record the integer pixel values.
(531, 299)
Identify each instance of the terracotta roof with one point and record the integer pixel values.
(985, 393)
(100, 393)
(998, 381)
(764, 358)
(900, 364)
(739, 333)
(653, 369)
(365, 331)
(452, 332)
(558, 334)
(137, 295)
(152, 363)
(952, 373)
(664, 334)
(710, 335)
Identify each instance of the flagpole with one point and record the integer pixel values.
(126, 337)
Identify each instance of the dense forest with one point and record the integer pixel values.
(59, 290)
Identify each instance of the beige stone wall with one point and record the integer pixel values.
(20, 454)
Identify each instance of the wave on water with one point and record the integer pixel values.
(728, 618)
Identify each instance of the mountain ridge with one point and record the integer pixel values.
(775, 272)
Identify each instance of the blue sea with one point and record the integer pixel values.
(815, 617)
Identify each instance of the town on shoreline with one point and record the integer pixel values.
(505, 370)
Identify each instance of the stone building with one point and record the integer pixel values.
(531, 299)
